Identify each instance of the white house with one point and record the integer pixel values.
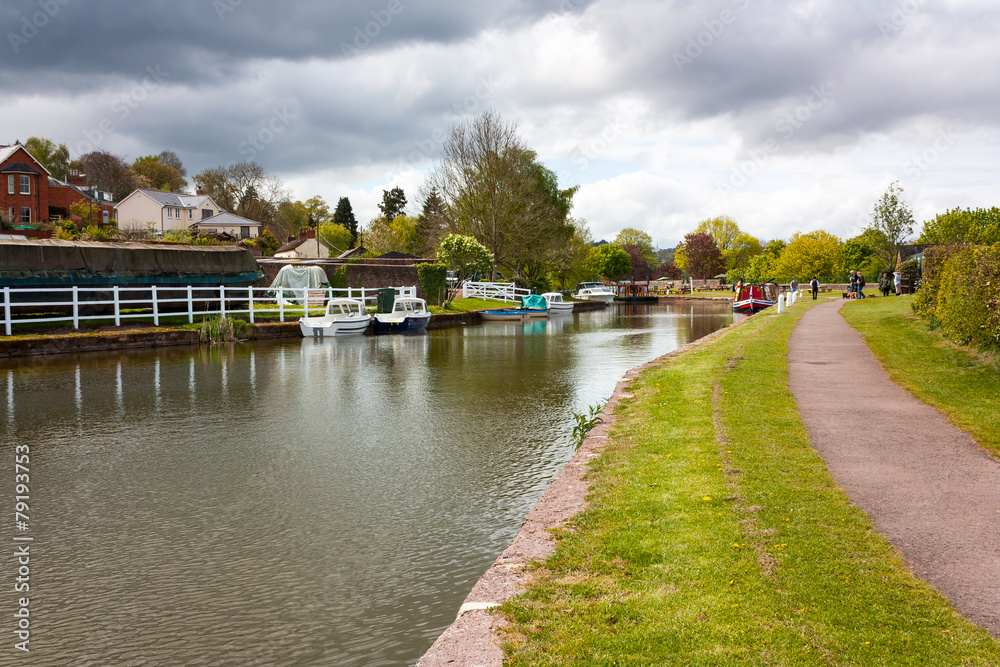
(166, 211)
(307, 245)
(228, 223)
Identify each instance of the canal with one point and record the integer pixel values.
(295, 502)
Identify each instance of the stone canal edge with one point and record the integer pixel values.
(471, 640)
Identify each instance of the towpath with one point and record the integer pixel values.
(925, 484)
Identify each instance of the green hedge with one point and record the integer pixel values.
(963, 294)
(432, 278)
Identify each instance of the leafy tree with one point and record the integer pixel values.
(570, 263)
(641, 241)
(980, 226)
(266, 242)
(817, 253)
(344, 216)
(700, 255)
(743, 249)
(53, 157)
(723, 229)
(859, 252)
(892, 220)
(544, 227)
(159, 176)
(432, 224)
(610, 261)
(335, 237)
(383, 235)
(774, 248)
(760, 269)
(318, 210)
(393, 203)
(90, 215)
(433, 278)
(465, 256)
(171, 159)
(291, 218)
(643, 264)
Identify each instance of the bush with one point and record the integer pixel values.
(339, 278)
(432, 278)
(935, 260)
(968, 296)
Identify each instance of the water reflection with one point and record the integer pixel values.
(299, 502)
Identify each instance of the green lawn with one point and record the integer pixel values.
(714, 536)
(963, 385)
(468, 305)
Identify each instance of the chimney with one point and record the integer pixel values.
(75, 177)
(199, 191)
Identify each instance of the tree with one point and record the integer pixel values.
(817, 253)
(245, 189)
(432, 224)
(111, 173)
(544, 224)
(570, 263)
(343, 215)
(171, 159)
(639, 259)
(893, 220)
(774, 248)
(858, 252)
(318, 210)
(700, 255)
(741, 251)
(760, 269)
(383, 235)
(160, 176)
(481, 177)
(610, 261)
(335, 237)
(640, 240)
(980, 226)
(55, 158)
(465, 256)
(723, 229)
(393, 203)
(290, 219)
(90, 215)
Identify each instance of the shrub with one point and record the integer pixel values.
(339, 278)
(432, 278)
(935, 260)
(968, 296)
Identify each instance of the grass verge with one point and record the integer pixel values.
(959, 382)
(714, 536)
(468, 305)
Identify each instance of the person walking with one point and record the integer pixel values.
(814, 284)
(897, 280)
(794, 285)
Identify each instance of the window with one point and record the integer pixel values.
(10, 185)
(206, 213)
(190, 213)
(25, 185)
(170, 212)
(25, 215)
(177, 213)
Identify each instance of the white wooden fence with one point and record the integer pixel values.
(498, 291)
(24, 305)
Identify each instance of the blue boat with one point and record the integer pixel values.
(408, 314)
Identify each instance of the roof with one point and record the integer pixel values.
(393, 254)
(353, 252)
(291, 245)
(7, 151)
(20, 167)
(225, 218)
(174, 199)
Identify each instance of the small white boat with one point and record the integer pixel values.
(343, 317)
(555, 303)
(408, 314)
(594, 292)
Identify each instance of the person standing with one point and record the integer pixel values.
(854, 285)
(897, 280)
(885, 283)
(794, 285)
(861, 285)
(814, 284)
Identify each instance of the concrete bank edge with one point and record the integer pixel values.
(471, 640)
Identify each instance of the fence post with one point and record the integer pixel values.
(190, 305)
(281, 304)
(250, 289)
(76, 307)
(222, 301)
(6, 309)
(156, 308)
(118, 310)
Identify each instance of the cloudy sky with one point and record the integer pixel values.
(787, 115)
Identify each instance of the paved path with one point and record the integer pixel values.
(924, 483)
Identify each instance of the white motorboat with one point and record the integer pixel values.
(343, 317)
(594, 292)
(555, 303)
(408, 314)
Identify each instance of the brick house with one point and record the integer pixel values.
(30, 195)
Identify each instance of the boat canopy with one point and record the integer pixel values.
(534, 301)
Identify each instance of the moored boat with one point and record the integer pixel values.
(752, 297)
(594, 292)
(409, 313)
(343, 317)
(505, 315)
(555, 303)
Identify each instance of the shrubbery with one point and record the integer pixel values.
(432, 278)
(961, 292)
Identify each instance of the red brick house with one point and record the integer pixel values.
(29, 195)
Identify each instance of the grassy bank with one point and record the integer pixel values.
(959, 382)
(714, 536)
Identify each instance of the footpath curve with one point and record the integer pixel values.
(925, 484)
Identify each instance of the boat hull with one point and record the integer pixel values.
(319, 327)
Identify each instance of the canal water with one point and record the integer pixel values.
(298, 502)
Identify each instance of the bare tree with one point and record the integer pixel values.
(246, 189)
(111, 173)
